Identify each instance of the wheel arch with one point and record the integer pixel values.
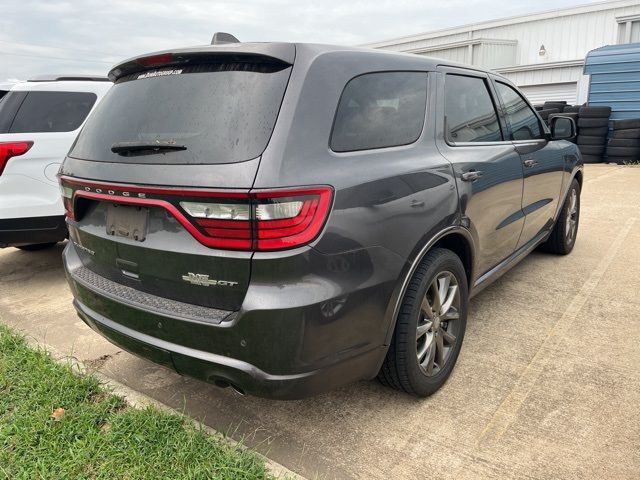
(578, 177)
(457, 239)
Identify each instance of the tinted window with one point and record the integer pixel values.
(524, 124)
(471, 116)
(380, 110)
(9, 105)
(52, 112)
(221, 113)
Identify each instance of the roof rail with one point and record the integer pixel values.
(75, 78)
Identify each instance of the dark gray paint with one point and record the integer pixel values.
(322, 315)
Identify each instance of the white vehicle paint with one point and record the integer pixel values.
(30, 200)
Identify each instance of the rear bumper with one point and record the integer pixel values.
(221, 370)
(29, 231)
(309, 346)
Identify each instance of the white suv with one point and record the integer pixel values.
(39, 121)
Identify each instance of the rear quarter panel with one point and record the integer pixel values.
(388, 202)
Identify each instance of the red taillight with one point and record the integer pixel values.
(233, 220)
(12, 149)
(284, 231)
(67, 200)
(266, 220)
(156, 60)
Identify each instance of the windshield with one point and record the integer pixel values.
(219, 113)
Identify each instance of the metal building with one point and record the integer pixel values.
(542, 53)
(614, 79)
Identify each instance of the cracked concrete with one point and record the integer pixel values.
(547, 384)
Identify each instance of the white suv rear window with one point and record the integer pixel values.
(52, 112)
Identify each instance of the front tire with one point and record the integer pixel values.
(430, 326)
(563, 236)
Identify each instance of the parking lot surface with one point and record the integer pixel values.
(547, 384)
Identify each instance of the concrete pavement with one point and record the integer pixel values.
(547, 384)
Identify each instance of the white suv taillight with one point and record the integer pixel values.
(12, 149)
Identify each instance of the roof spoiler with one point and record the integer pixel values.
(282, 54)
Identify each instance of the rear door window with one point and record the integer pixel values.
(523, 123)
(215, 113)
(470, 113)
(52, 112)
(380, 110)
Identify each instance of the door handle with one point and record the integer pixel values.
(471, 175)
(530, 163)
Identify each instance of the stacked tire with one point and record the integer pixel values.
(545, 112)
(624, 146)
(560, 105)
(593, 127)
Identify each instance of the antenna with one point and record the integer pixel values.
(220, 38)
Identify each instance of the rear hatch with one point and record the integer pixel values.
(156, 185)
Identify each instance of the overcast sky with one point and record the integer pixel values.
(89, 36)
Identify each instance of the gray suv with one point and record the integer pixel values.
(287, 218)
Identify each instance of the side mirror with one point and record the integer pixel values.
(562, 128)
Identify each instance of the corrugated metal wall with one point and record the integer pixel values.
(544, 75)
(615, 79)
(565, 37)
(538, 94)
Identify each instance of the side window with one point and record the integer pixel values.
(524, 124)
(52, 112)
(9, 105)
(470, 113)
(380, 110)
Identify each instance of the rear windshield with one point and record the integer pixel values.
(219, 113)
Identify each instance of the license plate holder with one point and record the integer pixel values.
(128, 221)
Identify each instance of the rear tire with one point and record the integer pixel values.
(430, 326)
(563, 235)
(36, 246)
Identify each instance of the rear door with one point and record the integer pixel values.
(543, 163)
(161, 173)
(487, 166)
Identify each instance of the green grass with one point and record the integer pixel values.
(98, 437)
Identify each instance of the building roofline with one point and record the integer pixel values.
(540, 66)
(559, 12)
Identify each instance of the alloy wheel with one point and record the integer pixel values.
(437, 329)
(572, 217)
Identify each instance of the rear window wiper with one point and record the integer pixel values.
(141, 148)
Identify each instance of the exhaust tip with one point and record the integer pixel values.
(222, 383)
(238, 390)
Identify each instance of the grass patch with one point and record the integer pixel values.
(58, 424)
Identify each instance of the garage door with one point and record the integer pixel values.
(538, 94)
